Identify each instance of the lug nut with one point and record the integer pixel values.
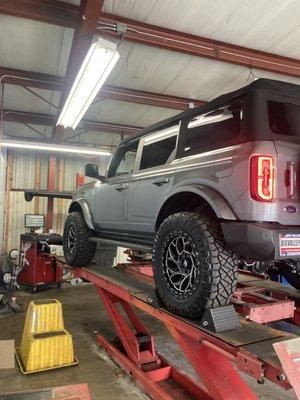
(281, 377)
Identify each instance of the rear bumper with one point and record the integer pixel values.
(261, 242)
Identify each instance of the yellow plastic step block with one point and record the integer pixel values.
(45, 343)
(42, 316)
(47, 351)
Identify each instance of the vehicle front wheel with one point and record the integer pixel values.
(78, 249)
(193, 268)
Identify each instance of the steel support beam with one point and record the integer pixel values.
(60, 13)
(52, 82)
(36, 80)
(45, 119)
(27, 117)
(147, 98)
(140, 32)
(89, 13)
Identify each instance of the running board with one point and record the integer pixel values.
(121, 243)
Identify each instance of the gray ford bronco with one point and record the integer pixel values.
(211, 189)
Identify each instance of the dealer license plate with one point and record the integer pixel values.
(289, 244)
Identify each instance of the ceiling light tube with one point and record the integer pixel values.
(53, 147)
(97, 65)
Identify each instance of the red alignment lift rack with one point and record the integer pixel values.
(212, 355)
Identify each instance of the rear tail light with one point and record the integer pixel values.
(262, 178)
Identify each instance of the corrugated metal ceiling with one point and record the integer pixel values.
(266, 25)
(161, 71)
(127, 113)
(19, 99)
(259, 24)
(33, 45)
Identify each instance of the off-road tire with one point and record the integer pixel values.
(84, 249)
(217, 264)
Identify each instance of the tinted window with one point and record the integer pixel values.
(216, 127)
(284, 118)
(159, 148)
(124, 160)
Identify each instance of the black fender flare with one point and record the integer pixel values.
(82, 205)
(216, 201)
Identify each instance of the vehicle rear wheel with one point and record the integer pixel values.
(193, 268)
(78, 249)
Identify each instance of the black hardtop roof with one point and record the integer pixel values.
(264, 85)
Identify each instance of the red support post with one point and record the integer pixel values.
(51, 187)
(79, 180)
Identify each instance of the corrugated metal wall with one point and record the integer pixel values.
(2, 195)
(30, 170)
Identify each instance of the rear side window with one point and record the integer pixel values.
(284, 118)
(206, 131)
(159, 148)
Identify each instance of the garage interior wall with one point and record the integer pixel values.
(2, 195)
(29, 170)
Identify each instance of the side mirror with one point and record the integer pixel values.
(91, 170)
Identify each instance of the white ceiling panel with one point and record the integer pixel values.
(127, 113)
(153, 69)
(258, 24)
(16, 130)
(33, 45)
(97, 139)
(18, 98)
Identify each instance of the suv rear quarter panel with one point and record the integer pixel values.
(209, 174)
(244, 206)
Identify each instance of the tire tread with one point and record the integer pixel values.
(220, 275)
(85, 249)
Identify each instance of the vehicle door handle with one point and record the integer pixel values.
(121, 187)
(160, 181)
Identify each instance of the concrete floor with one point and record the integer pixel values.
(83, 315)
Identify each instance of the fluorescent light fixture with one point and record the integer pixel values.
(97, 65)
(53, 147)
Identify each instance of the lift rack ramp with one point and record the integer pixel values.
(216, 357)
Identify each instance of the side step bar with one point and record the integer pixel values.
(121, 243)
